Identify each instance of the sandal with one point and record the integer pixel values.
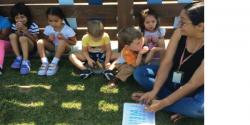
(175, 118)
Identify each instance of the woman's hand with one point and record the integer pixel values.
(147, 97)
(155, 106)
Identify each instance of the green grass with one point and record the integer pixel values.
(66, 99)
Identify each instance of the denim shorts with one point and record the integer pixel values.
(97, 56)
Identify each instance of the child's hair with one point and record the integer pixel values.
(195, 12)
(144, 13)
(21, 8)
(127, 35)
(57, 11)
(95, 28)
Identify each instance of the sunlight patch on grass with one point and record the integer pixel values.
(74, 87)
(62, 124)
(72, 105)
(48, 87)
(28, 105)
(105, 89)
(23, 123)
(107, 107)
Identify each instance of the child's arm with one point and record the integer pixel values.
(140, 54)
(4, 33)
(108, 55)
(70, 40)
(91, 62)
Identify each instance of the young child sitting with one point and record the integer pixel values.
(149, 24)
(23, 37)
(131, 55)
(4, 44)
(60, 38)
(96, 49)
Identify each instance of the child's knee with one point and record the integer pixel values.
(40, 42)
(23, 39)
(12, 36)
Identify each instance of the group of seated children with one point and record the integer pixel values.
(139, 46)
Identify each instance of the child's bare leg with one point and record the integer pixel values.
(43, 44)
(62, 47)
(25, 44)
(77, 59)
(14, 43)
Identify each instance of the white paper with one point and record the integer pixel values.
(135, 114)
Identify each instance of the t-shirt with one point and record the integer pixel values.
(33, 29)
(4, 23)
(95, 46)
(153, 37)
(66, 31)
(127, 56)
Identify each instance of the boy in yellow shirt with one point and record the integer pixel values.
(96, 48)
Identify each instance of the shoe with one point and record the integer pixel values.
(85, 74)
(16, 64)
(109, 74)
(52, 69)
(43, 69)
(25, 68)
(1, 71)
(113, 83)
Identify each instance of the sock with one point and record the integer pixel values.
(55, 60)
(19, 57)
(44, 60)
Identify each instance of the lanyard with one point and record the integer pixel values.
(182, 56)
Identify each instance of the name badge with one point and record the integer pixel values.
(177, 77)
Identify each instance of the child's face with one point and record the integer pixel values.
(21, 18)
(55, 21)
(150, 23)
(137, 44)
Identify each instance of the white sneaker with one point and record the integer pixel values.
(43, 69)
(52, 69)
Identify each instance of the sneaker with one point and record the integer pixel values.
(43, 69)
(52, 69)
(25, 68)
(16, 64)
(1, 71)
(109, 74)
(85, 74)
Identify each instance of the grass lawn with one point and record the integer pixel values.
(66, 99)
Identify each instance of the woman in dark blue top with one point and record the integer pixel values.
(178, 82)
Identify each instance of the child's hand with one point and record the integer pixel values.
(91, 63)
(107, 65)
(19, 25)
(144, 50)
(60, 37)
(52, 37)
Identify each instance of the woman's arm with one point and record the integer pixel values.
(165, 67)
(193, 84)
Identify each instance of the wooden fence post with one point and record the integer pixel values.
(125, 17)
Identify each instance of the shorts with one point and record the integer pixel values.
(97, 56)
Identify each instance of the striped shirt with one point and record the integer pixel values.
(33, 29)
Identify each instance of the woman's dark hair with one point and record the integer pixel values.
(195, 12)
(144, 13)
(57, 11)
(21, 8)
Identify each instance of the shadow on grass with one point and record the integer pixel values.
(65, 99)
